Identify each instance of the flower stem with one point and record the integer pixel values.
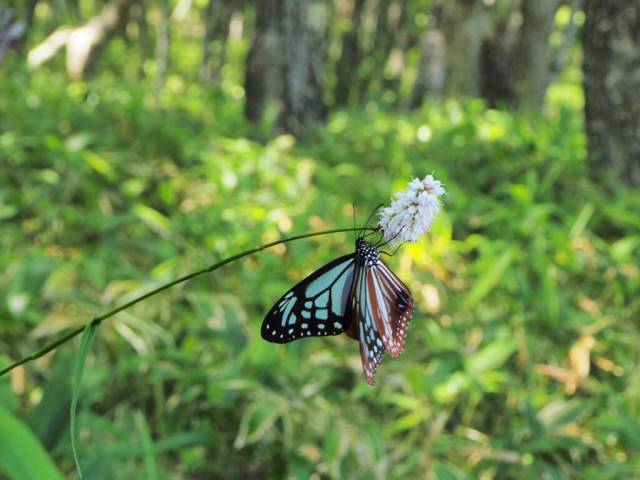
(98, 319)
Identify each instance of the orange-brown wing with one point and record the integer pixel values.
(382, 307)
(391, 306)
(363, 326)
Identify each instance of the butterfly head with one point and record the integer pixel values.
(366, 253)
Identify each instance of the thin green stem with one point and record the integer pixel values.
(97, 320)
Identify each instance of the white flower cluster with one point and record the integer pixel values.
(412, 211)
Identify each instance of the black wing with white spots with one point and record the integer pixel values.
(317, 306)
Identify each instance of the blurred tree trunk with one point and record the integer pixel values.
(532, 56)
(217, 20)
(376, 57)
(389, 18)
(463, 25)
(83, 44)
(209, 33)
(86, 43)
(31, 11)
(562, 53)
(400, 40)
(302, 69)
(496, 54)
(431, 72)
(350, 57)
(263, 71)
(163, 42)
(12, 31)
(143, 29)
(74, 8)
(611, 67)
(517, 61)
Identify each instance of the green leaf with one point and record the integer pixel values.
(446, 471)
(8, 211)
(489, 279)
(153, 218)
(559, 413)
(452, 387)
(147, 446)
(175, 442)
(50, 419)
(611, 471)
(332, 441)
(183, 440)
(621, 423)
(256, 422)
(581, 222)
(99, 164)
(409, 421)
(85, 345)
(490, 358)
(21, 454)
(622, 250)
(27, 282)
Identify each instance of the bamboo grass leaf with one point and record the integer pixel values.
(21, 454)
(85, 346)
(147, 446)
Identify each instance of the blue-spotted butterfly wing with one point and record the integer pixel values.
(317, 306)
(383, 307)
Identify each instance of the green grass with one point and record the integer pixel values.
(104, 195)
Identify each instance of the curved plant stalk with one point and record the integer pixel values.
(100, 318)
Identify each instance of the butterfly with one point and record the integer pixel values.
(356, 294)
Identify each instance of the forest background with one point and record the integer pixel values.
(141, 140)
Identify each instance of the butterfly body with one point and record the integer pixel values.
(356, 294)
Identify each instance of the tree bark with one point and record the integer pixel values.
(611, 44)
(163, 43)
(463, 25)
(302, 69)
(389, 19)
(31, 10)
(562, 53)
(496, 57)
(431, 72)
(143, 36)
(378, 53)
(532, 55)
(217, 19)
(83, 44)
(12, 31)
(263, 76)
(349, 57)
(209, 33)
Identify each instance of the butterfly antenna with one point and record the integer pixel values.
(379, 232)
(378, 207)
(394, 252)
(371, 232)
(381, 244)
